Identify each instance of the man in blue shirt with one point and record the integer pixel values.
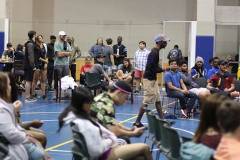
(214, 69)
(176, 88)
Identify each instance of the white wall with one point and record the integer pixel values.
(135, 20)
(20, 15)
(226, 40)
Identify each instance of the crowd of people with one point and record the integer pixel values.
(94, 117)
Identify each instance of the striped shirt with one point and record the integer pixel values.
(140, 59)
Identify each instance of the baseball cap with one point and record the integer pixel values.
(161, 37)
(62, 33)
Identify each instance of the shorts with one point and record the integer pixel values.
(28, 74)
(138, 74)
(151, 93)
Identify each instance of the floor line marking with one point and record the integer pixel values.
(62, 151)
(183, 130)
(70, 141)
(58, 145)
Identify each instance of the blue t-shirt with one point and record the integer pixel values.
(212, 71)
(173, 77)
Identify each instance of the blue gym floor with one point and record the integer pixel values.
(59, 144)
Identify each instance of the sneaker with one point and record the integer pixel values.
(138, 124)
(30, 100)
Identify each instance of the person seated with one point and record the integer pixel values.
(19, 54)
(103, 109)
(229, 123)
(100, 142)
(31, 127)
(98, 67)
(214, 69)
(176, 88)
(222, 81)
(208, 131)
(85, 68)
(20, 145)
(7, 55)
(188, 81)
(199, 71)
(125, 71)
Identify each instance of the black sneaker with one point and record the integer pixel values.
(138, 124)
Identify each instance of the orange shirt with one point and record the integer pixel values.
(228, 149)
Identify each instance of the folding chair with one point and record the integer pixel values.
(79, 149)
(174, 143)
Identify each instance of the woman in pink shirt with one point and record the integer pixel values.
(228, 116)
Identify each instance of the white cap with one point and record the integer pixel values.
(161, 37)
(62, 33)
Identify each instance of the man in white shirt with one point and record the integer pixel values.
(140, 60)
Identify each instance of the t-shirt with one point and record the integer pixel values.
(175, 54)
(86, 68)
(60, 47)
(97, 68)
(173, 77)
(212, 71)
(102, 109)
(122, 50)
(152, 66)
(222, 80)
(228, 149)
(107, 51)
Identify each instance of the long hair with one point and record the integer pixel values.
(4, 93)
(208, 117)
(80, 96)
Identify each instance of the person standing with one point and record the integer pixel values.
(50, 57)
(29, 66)
(108, 53)
(119, 51)
(40, 62)
(76, 53)
(151, 93)
(140, 60)
(97, 48)
(61, 62)
(175, 54)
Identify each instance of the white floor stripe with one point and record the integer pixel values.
(183, 130)
(62, 151)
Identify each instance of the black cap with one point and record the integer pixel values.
(223, 62)
(123, 86)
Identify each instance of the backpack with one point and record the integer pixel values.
(194, 151)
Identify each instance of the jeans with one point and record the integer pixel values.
(186, 101)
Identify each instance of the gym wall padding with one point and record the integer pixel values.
(1, 42)
(204, 48)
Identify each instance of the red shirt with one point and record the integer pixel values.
(85, 68)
